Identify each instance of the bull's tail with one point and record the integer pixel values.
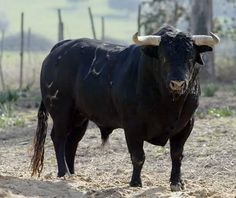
(39, 140)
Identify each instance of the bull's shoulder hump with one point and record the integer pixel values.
(87, 45)
(106, 46)
(86, 42)
(59, 44)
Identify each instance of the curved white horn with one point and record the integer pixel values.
(146, 40)
(206, 40)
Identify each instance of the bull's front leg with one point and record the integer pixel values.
(176, 150)
(135, 146)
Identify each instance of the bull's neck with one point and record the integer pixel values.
(148, 88)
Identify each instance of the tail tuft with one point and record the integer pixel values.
(39, 140)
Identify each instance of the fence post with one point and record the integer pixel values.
(103, 29)
(139, 17)
(60, 26)
(29, 45)
(1, 57)
(21, 50)
(92, 23)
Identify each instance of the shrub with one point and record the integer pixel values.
(9, 96)
(6, 109)
(210, 90)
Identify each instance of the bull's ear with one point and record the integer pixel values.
(150, 51)
(201, 49)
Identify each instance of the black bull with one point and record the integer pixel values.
(120, 87)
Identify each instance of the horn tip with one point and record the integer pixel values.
(135, 37)
(216, 38)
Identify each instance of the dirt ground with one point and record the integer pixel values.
(209, 166)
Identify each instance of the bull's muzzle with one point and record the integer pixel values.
(178, 87)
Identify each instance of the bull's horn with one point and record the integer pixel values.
(206, 40)
(147, 40)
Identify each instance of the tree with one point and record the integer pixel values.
(202, 23)
(155, 13)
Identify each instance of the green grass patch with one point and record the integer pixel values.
(8, 116)
(9, 96)
(11, 121)
(210, 90)
(221, 112)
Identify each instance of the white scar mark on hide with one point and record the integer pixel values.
(95, 57)
(52, 97)
(49, 96)
(49, 85)
(92, 68)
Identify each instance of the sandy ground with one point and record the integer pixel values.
(209, 166)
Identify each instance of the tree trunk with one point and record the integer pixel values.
(201, 23)
(1, 57)
(92, 23)
(21, 51)
(60, 26)
(103, 29)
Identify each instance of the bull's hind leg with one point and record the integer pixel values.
(76, 134)
(58, 135)
(61, 126)
(176, 150)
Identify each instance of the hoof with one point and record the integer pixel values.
(177, 187)
(63, 174)
(66, 176)
(135, 184)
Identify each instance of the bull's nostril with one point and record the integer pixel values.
(184, 85)
(172, 85)
(177, 85)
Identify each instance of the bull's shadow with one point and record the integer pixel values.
(120, 192)
(14, 187)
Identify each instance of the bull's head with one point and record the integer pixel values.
(177, 54)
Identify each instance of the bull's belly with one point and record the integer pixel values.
(105, 120)
(159, 141)
(158, 133)
(103, 114)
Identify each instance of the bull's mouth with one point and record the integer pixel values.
(175, 95)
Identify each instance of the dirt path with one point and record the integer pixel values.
(209, 166)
